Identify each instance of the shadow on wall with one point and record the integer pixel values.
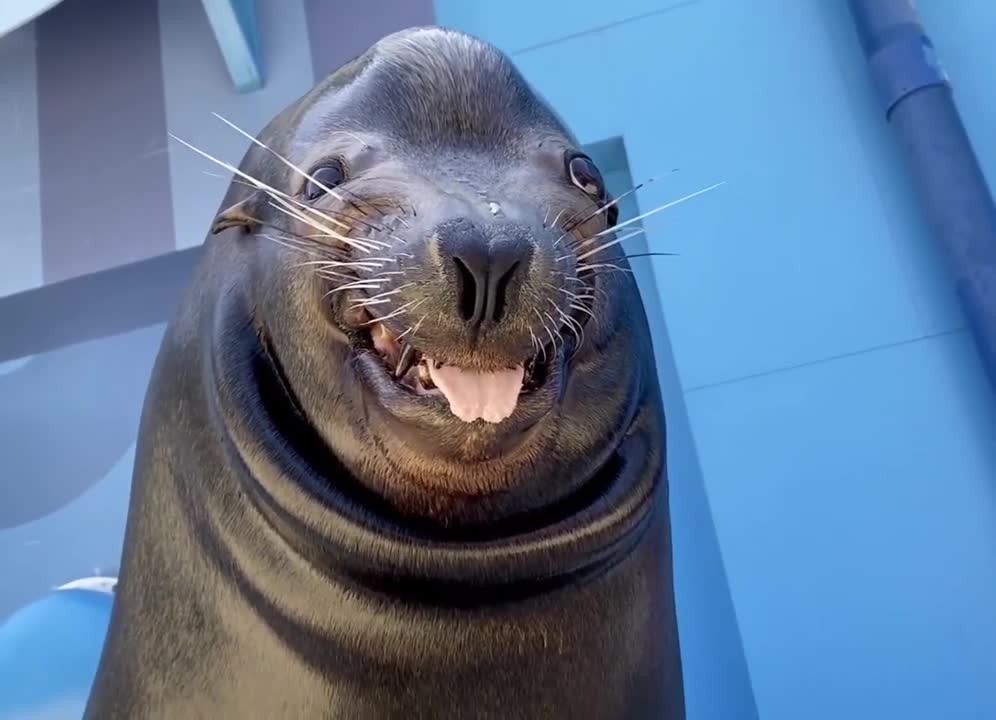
(67, 434)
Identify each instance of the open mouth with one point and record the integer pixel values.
(491, 396)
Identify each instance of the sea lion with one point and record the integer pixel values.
(402, 453)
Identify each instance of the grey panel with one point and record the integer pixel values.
(95, 305)
(18, 110)
(20, 227)
(20, 240)
(341, 30)
(105, 194)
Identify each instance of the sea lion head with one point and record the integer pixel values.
(431, 265)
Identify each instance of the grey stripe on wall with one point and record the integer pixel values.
(341, 30)
(20, 216)
(105, 190)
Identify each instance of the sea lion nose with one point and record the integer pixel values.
(487, 264)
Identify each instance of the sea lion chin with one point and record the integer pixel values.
(405, 427)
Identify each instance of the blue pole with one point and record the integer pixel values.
(919, 105)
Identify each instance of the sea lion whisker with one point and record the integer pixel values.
(352, 242)
(316, 252)
(333, 291)
(543, 323)
(367, 302)
(281, 197)
(280, 157)
(576, 327)
(356, 285)
(328, 214)
(413, 329)
(541, 348)
(580, 245)
(408, 306)
(331, 234)
(393, 291)
(355, 137)
(366, 263)
(584, 256)
(327, 236)
(570, 322)
(333, 275)
(557, 219)
(614, 202)
(658, 209)
(581, 308)
(575, 296)
(636, 256)
(568, 228)
(603, 266)
(535, 342)
(258, 184)
(286, 207)
(325, 215)
(556, 325)
(301, 243)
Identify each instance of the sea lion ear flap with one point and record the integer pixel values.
(242, 214)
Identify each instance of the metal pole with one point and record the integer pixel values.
(919, 106)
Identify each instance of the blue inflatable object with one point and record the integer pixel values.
(49, 651)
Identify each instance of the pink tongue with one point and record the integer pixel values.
(490, 396)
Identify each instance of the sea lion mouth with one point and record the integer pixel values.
(471, 394)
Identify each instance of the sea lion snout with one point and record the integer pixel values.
(486, 267)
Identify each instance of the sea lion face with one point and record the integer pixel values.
(440, 296)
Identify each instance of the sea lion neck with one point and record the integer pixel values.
(305, 495)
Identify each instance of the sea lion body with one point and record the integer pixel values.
(308, 538)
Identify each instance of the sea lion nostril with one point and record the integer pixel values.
(467, 290)
(483, 282)
(501, 291)
(486, 262)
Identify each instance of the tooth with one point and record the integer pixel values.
(406, 360)
(424, 376)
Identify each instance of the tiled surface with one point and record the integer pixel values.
(855, 505)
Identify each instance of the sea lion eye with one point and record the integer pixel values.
(324, 179)
(586, 176)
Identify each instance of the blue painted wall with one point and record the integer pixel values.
(842, 424)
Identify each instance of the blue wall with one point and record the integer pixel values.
(841, 420)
